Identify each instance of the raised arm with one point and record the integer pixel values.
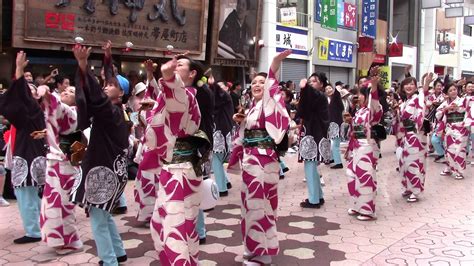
(276, 116)
(108, 67)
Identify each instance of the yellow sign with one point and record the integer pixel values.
(323, 49)
(385, 77)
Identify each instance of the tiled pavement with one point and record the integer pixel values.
(438, 230)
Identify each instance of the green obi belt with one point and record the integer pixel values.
(258, 138)
(455, 117)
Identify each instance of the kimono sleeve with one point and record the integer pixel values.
(376, 110)
(152, 89)
(277, 119)
(181, 106)
(97, 104)
(17, 103)
(66, 116)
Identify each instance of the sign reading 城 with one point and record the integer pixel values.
(369, 18)
(291, 38)
(335, 50)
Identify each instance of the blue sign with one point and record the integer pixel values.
(340, 51)
(317, 11)
(340, 13)
(369, 18)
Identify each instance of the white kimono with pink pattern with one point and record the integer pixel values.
(146, 182)
(413, 144)
(456, 134)
(173, 225)
(261, 171)
(57, 219)
(363, 154)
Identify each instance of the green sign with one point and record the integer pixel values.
(329, 14)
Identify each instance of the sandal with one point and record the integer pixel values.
(446, 173)
(412, 198)
(458, 177)
(363, 217)
(352, 212)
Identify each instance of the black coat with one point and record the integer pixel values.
(19, 107)
(104, 167)
(223, 112)
(313, 110)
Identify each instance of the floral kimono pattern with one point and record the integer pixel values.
(361, 173)
(173, 224)
(412, 162)
(57, 218)
(146, 182)
(456, 133)
(261, 171)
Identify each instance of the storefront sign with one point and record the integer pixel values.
(385, 77)
(350, 12)
(366, 45)
(291, 38)
(395, 50)
(379, 59)
(288, 16)
(323, 49)
(444, 48)
(335, 50)
(236, 37)
(329, 14)
(369, 18)
(340, 13)
(181, 24)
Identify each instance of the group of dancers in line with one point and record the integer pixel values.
(187, 121)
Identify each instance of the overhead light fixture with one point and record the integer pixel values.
(454, 12)
(425, 4)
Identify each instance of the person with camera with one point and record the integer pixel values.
(255, 155)
(362, 152)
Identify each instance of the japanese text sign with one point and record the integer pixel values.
(329, 14)
(350, 14)
(369, 18)
(291, 38)
(335, 50)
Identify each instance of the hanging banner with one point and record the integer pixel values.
(340, 13)
(395, 50)
(323, 49)
(288, 16)
(369, 18)
(385, 77)
(329, 14)
(340, 51)
(366, 45)
(350, 12)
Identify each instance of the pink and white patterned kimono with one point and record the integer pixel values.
(410, 118)
(364, 153)
(146, 182)
(261, 171)
(456, 126)
(173, 225)
(57, 217)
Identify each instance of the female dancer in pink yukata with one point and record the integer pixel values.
(410, 118)
(254, 147)
(172, 142)
(363, 153)
(57, 218)
(454, 116)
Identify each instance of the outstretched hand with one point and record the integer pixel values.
(82, 53)
(21, 61)
(375, 76)
(277, 60)
(107, 47)
(150, 66)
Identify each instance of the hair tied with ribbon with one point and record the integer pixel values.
(201, 82)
